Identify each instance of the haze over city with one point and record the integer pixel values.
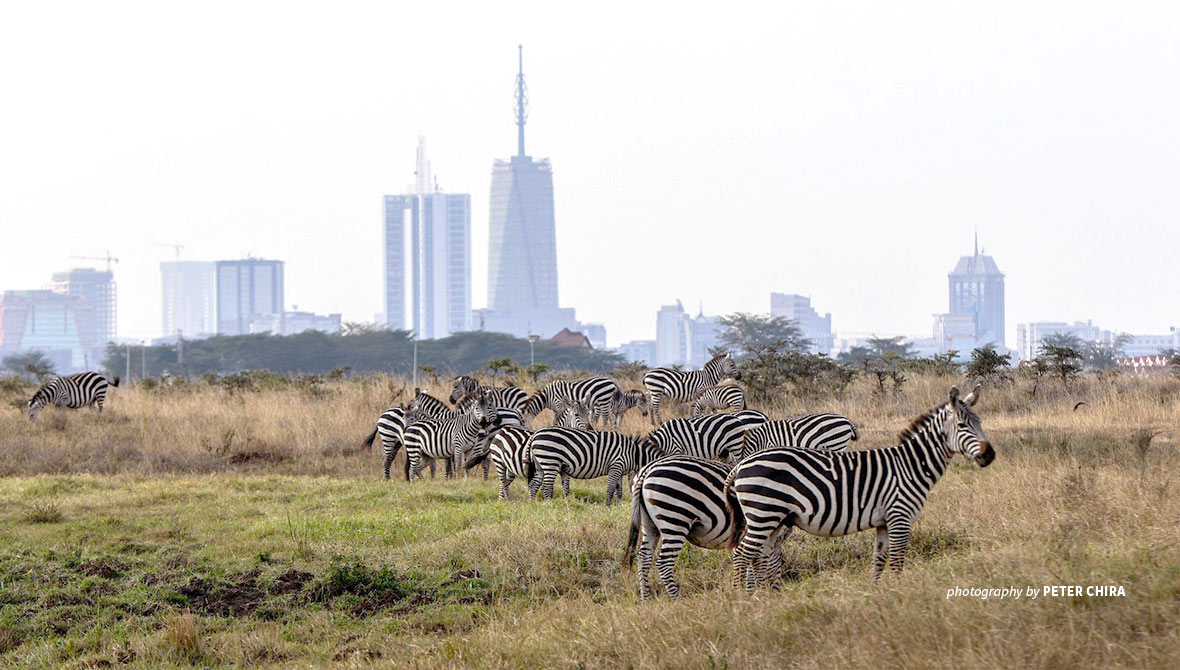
(844, 152)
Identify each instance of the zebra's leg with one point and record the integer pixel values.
(547, 479)
(654, 412)
(899, 538)
(565, 484)
(770, 568)
(614, 479)
(758, 532)
(486, 468)
(647, 547)
(534, 485)
(387, 458)
(431, 469)
(413, 464)
(671, 542)
(505, 481)
(880, 551)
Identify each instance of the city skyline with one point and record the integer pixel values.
(859, 163)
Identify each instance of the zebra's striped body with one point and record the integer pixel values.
(625, 400)
(681, 499)
(597, 393)
(824, 431)
(505, 448)
(719, 398)
(717, 437)
(507, 397)
(587, 455)
(391, 427)
(668, 384)
(73, 391)
(446, 438)
(427, 405)
(842, 493)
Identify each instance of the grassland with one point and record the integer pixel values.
(196, 527)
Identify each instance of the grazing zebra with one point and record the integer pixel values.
(506, 450)
(719, 398)
(73, 391)
(678, 499)
(625, 400)
(840, 494)
(717, 437)
(586, 455)
(598, 394)
(669, 384)
(391, 426)
(824, 431)
(508, 397)
(446, 438)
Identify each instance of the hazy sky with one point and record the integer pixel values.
(841, 150)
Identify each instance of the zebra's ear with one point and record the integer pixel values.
(417, 390)
(973, 397)
(954, 394)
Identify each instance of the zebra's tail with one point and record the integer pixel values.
(737, 520)
(638, 511)
(115, 381)
(368, 443)
(408, 466)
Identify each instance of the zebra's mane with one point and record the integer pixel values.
(914, 429)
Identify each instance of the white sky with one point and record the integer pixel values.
(841, 150)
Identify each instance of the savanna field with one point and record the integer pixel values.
(204, 525)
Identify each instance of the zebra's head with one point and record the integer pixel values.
(635, 398)
(576, 415)
(724, 366)
(461, 386)
(965, 432)
(536, 403)
(36, 403)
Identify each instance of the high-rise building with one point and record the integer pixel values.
(440, 257)
(189, 298)
(817, 329)
(249, 290)
(59, 325)
(685, 340)
(976, 286)
(522, 242)
(97, 288)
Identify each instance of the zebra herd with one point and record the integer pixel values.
(738, 480)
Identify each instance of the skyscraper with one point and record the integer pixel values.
(189, 298)
(522, 241)
(817, 329)
(249, 290)
(976, 289)
(440, 257)
(96, 288)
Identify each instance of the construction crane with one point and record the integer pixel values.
(108, 258)
(177, 247)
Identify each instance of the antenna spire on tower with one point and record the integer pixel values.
(976, 240)
(521, 102)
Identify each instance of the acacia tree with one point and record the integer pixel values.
(1103, 356)
(33, 365)
(746, 334)
(1063, 355)
(987, 363)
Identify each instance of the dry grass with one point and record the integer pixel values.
(199, 539)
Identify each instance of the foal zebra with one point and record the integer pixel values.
(824, 431)
(506, 449)
(508, 397)
(716, 398)
(625, 400)
(717, 437)
(586, 455)
(597, 393)
(678, 499)
(840, 494)
(666, 383)
(73, 391)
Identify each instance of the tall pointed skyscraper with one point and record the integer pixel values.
(522, 240)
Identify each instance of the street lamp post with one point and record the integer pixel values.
(532, 358)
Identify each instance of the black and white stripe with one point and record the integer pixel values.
(719, 398)
(427, 405)
(391, 428)
(73, 391)
(625, 400)
(597, 393)
(716, 437)
(587, 455)
(824, 431)
(507, 397)
(833, 494)
(668, 384)
(506, 449)
(446, 438)
(681, 499)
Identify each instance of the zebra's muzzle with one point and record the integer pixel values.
(986, 455)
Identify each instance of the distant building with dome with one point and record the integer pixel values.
(976, 312)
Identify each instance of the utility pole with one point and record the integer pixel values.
(143, 359)
(127, 349)
(415, 373)
(179, 352)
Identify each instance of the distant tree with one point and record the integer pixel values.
(744, 334)
(33, 365)
(499, 365)
(1063, 357)
(351, 328)
(1035, 370)
(1173, 357)
(536, 370)
(633, 370)
(1102, 356)
(987, 363)
(938, 364)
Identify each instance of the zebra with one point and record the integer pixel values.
(391, 427)
(625, 400)
(598, 393)
(427, 405)
(666, 383)
(716, 437)
(506, 418)
(73, 391)
(824, 431)
(446, 438)
(714, 398)
(678, 499)
(509, 397)
(585, 455)
(506, 450)
(840, 494)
